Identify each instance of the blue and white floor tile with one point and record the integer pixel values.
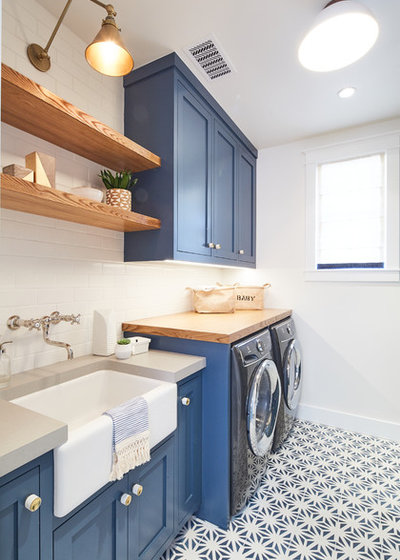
(328, 494)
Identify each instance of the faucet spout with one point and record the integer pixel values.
(45, 329)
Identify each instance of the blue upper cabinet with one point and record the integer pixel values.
(246, 207)
(193, 200)
(204, 192)
(224, 189)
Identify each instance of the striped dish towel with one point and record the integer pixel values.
(131, 445)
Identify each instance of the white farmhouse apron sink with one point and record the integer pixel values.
(82, 465)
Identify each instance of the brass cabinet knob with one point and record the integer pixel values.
(137, 489)
(211, 245)
(185, 401)
(33, 502)
(241, 252)
(125, 499)
(218, 246)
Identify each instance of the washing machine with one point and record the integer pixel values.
(255, 398)
(287, 356)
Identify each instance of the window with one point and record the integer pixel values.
(353, 210)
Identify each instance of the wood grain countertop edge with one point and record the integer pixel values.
(206, 336)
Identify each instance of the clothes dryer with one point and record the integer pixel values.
(255, 398)
(287, 356)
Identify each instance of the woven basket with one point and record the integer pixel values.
(214, 299)
(119, 197)
(250, 297)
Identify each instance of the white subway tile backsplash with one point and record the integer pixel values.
(17, 296)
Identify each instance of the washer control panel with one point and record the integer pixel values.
(254, 348)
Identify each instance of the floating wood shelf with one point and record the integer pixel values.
(17, 194)
(34, 109)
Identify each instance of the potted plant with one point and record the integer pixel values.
(118, 185)
(123, 348)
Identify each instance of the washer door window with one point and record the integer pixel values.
(262, 408)
(292, 374)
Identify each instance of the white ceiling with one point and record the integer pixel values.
(271, 97)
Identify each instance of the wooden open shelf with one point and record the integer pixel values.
(18, 194)
(34, 109)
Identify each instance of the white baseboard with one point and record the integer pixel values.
(351, 422)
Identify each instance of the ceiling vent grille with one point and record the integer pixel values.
(209, 56)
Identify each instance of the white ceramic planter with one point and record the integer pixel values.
(119, 197)
(123, 351)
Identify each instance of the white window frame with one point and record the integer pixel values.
(385, 143)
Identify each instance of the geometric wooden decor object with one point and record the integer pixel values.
(19, 171)
(44, 168)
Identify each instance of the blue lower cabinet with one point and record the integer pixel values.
(189, 449)
(163, 494)
(151, 514)
(215, 424)
(98, 530)
(19, 528)
(25, 532)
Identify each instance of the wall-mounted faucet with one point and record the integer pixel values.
(15, 322)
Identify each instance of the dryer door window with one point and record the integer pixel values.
(292, 374)
(262, 408)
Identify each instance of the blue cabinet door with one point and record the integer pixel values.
(193, 174)
(98, 530)
(19, 528)
(189, 449)
(223, 199)
(151, 515)
(246, 207)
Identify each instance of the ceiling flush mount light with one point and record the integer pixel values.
(106, 53)
(342, 33)
(346, 92)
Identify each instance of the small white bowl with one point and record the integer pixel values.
(88, 192)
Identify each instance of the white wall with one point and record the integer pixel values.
(350, 332)
(48, 264)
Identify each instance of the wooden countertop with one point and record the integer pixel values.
(224, 328)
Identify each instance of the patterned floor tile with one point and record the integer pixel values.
(328, 494)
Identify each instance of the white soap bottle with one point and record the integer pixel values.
(5, 365)
(104, 332)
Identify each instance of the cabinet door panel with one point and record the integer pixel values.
(193, 174)
(151, 517)
(98, 530)
(189, 446)
(223, 201)
(19, 528)
(246, 205)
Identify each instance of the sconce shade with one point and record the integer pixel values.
(342, 33)
(107, 53)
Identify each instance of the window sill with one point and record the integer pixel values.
(352, 275)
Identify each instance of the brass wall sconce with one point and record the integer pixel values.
(106, 53)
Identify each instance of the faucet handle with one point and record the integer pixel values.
(75, 319)
(55, 317)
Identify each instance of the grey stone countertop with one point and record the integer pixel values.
(25, 435)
